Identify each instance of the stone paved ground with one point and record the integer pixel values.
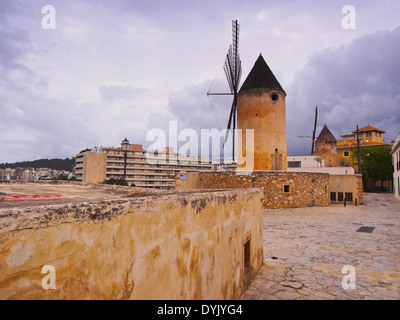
(305, 250)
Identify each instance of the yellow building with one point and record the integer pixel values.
(347, 147)
(146, 169)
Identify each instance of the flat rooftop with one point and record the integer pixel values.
(31, 194)
(19, 195)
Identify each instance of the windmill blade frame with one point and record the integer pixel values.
(233, 109)
(233, 73)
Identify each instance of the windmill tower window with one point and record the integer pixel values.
(274, 96)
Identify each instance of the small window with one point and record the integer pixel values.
(340, 196)
(286, 188)
(294, 164)
(349, 196)
(274, 96)
(346, 153)
(368, 134)
(333, 196)
(247, 254)
(247, 258)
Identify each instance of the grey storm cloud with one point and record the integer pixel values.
(112, 70)
(190, 109)
(114, 93)
(351, 85)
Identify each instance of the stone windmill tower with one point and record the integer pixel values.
(326, 147)
(261, 106)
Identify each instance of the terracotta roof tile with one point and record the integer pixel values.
(368, 128)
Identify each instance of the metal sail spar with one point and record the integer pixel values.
(233, 69)
(233, 72)
(233, 65)
(237, 63)
(228, 69)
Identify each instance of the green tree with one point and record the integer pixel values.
(62, 176)
(376, 165)
(344, 163)
(115, 181)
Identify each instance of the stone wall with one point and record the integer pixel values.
(281, 189)
(176, 246)
(327, 150)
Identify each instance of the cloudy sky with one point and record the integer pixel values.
(116, 69)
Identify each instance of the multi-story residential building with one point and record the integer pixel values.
(225, 165)
(146, 169)
(396, 168)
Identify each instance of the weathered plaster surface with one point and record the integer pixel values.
(175, 246)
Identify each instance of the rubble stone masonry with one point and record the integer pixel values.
(282, 189)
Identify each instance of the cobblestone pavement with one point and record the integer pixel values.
(305, 250)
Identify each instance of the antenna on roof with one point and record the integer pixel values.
(233, 72)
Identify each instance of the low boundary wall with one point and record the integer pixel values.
(282, 189)
(200, 245)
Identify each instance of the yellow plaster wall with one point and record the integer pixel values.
(257, 111)
(94, 167)
(191, 181)
(167, 247)
(348, 183)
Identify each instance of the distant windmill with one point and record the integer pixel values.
(233, 72)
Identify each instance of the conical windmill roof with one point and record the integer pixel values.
(261, 77)
(326, 134)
